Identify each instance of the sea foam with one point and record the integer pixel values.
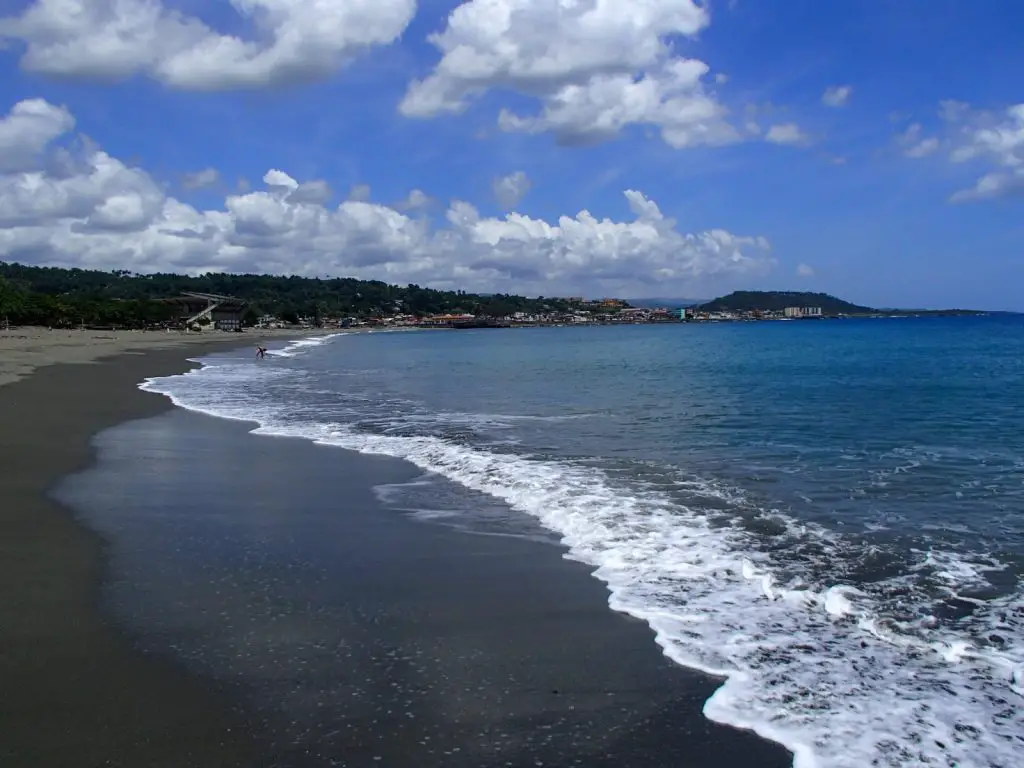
(819, 667)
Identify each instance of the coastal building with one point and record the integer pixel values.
(802, 312)
(447, 320)
(209, 309)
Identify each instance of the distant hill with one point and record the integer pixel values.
(654, 303)
(32, 295)
(748, 301)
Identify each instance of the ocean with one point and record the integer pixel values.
(826, 515)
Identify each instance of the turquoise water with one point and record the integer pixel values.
(826, 514)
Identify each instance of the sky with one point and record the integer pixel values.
(595, 148)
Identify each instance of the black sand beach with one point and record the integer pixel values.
(75, 691)
(263, 574)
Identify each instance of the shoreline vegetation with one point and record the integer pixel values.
(89, 299)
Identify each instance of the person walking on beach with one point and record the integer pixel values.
(261, 352)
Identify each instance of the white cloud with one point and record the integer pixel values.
(511, 189)
(290, 41)
(995, 140)
(317, 191)
(208, 177)
(993, 184)
(786, 133)
(92, 193)
(671, 98)
(837, 95)
(803, 270)
(28, 130)
(87, 209)
(595, 67)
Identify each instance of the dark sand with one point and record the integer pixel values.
(74, 691)
(356, 636)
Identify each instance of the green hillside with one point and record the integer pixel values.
(749, 301)
(57, 296)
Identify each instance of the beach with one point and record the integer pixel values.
(282, 616)
(77, 693)
(23, 350)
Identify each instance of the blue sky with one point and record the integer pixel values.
(839, 206)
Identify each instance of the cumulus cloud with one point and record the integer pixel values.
(804, 270)
(279, 182)
(511, 189)
(208, 177)
(786, 133)
(28, 130)
(837, 95)
(992, 140)
(92, 193)
(91, 210)
(595, 68)
(290, 40)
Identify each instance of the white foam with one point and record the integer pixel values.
(298, 346)
(819, 667)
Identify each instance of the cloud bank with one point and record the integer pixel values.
(66, 202)
(593, 67)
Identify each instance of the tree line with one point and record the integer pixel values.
(60, 297)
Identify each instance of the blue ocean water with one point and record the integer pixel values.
(826, 514)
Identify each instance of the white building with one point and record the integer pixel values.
(802, 312)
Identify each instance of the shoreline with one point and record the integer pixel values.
(88, 694)
(26, 349)
(354, 635)
(79, 692)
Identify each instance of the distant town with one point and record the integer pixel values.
(598, 312)
(75, 298)
(593, 312)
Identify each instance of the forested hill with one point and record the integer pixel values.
(46, 289)
(776, 301)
